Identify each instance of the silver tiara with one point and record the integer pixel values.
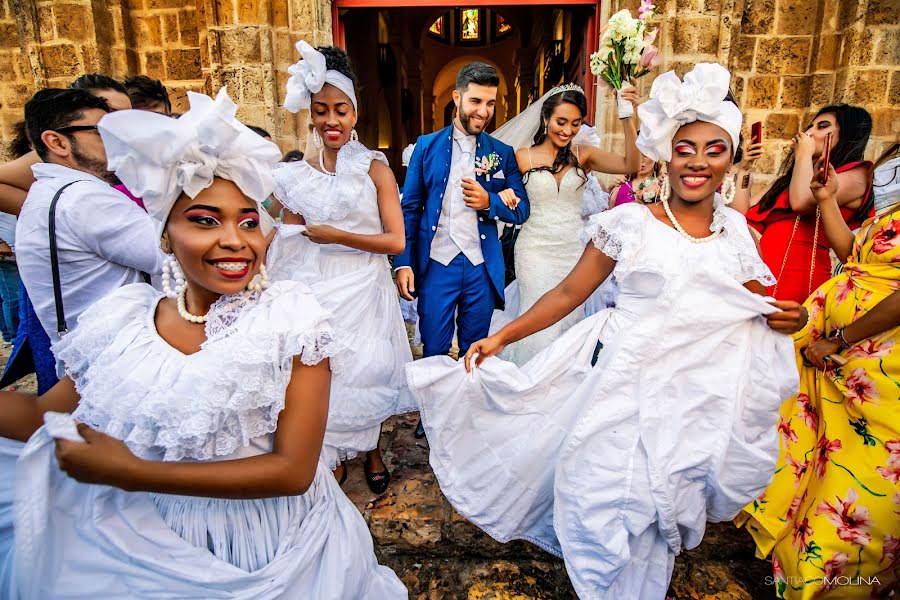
(567, 87)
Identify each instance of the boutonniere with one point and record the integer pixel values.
(487, 164)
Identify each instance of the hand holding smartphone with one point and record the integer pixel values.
(756, 132)
(827, 155)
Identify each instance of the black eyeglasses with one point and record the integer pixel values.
(74, 128)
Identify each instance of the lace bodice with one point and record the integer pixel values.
(640, 243)
(208, 405)
(347, 200)
(555, 208)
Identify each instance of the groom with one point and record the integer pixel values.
(451, 204)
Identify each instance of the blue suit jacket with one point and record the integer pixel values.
(423, 196)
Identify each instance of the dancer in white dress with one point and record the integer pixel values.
(615, 445)
(200, 435)
(557, 174)
(343, 218)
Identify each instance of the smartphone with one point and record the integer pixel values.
(756, 132)
(827, 161)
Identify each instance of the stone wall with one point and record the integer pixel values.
(789, 59)
(188, 44)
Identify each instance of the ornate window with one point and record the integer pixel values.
(470, 26)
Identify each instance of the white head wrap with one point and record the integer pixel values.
(308, 76)
(674, 103)
(158, 158)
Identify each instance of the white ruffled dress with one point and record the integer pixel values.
(355, 286)
(220, 403)
(614, 445)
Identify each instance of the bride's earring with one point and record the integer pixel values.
(260, 282)
(354, 137)
(728, 189)
(172, 270)
(317, 139)
(665, 189)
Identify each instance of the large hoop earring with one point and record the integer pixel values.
(354, 137)
(665, 190)
(728, 189)
(172, 270)
(317, 140)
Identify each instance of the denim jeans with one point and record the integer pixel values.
(9, 300)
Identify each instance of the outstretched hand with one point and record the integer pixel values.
(484, 348)
(100, 459)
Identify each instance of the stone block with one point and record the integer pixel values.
(90, 59)
(248, 11)
(183, 63)
(894, 89)
(410, 516)
(742, 53)
(847, 14)
(253, 88)
(162, 4)
(762, 92)
(154, 65)
(783, 55)
(61, 60)
(888, 49)
(796, 17)
(882, 12)
(795, 91)
(822, 89)
(781, 125)
(695, 35)
(886, 122)
(225, 11)
(17, 95)
(280, 14)
(858, 47)
(828, 52)
(239, 45)
(7, 66)
(738, 87)
(73, 22)
(148, 29)
(9, 37)
(841, 91)
(120, 62)
(713, 7)
(187, 23)
(170, 28)
(45, 29)
(133, 4)
(869, 86)
(758, 17)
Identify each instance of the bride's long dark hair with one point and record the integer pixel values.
(565, 156)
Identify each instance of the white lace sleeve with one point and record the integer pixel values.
(616, 233)
(751, 266)
(593, 200)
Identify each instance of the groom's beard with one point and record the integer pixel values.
(469, 127)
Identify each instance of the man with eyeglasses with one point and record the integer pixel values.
(102, 242)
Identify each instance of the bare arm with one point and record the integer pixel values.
(288, 470)
(885, 316)
(15, 181)
(839, 234)
(591, 270)
(595, 159)
(393, 238)
(23, 414)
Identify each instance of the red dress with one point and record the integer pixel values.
(776, 226)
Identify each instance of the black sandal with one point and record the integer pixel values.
(377, 482)
(344, 476)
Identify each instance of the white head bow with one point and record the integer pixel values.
(158, 158)
(309, 75)
(674, 103)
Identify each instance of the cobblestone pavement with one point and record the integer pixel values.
(439, 555)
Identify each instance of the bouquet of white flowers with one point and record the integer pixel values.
(626, 47)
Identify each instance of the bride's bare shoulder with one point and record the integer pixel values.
(523, 158)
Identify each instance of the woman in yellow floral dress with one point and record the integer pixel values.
(831, 515)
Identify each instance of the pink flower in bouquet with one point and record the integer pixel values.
(650, 58)
(651, 37)
(646, 9)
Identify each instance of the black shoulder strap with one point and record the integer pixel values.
(61, 327)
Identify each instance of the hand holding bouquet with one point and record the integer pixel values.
(626, 51)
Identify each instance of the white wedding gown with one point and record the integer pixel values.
(613, 446)
(78, 541)
(548, 246)
(357, 288)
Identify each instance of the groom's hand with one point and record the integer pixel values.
(476, 197)
(406, 283)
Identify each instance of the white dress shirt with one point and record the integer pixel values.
(457, 227)
(103, 240)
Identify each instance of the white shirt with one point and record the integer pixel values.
(103, 239)
(457, 227)
(8, 229)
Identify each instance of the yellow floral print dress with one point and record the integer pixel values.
(831, 515)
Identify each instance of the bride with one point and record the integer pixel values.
(556, 170)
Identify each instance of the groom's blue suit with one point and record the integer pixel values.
(469, 291)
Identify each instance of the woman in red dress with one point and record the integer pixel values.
(793, 242)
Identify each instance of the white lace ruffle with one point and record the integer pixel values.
(594, 200)
(319, 197)
(616, 233)
(169, 406)
(738, 236)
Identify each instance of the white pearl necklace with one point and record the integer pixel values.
(183, 311)
(322, 164)
(681, 230)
